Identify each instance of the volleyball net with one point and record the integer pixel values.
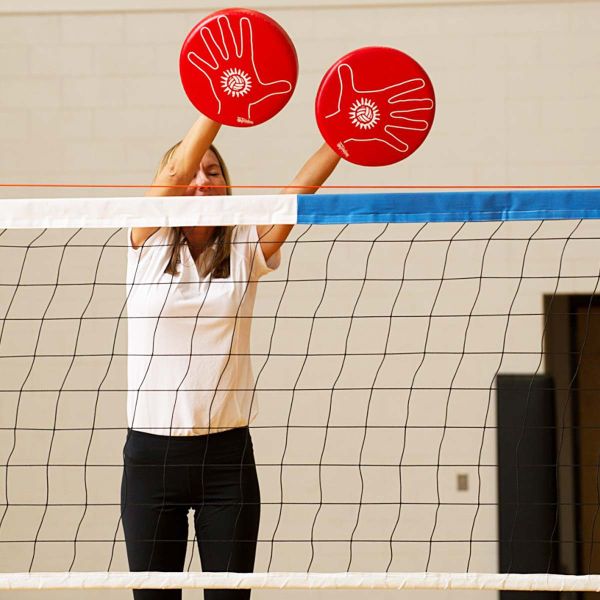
(425, 370)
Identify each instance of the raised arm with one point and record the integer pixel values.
(179, 169)
(311, 176)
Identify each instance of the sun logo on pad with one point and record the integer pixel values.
(236, 82)
(364, 113)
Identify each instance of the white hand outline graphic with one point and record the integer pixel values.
(228, 55)
(384, 98)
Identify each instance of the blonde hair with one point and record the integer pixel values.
(214, 259)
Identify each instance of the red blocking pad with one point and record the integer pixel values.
(238, 67)
(375, 106)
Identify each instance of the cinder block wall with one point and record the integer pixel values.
(94, 97)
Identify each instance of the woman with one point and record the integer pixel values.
(190, 302)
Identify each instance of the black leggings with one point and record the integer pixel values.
(163, 478)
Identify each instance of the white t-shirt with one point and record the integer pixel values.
(189, 368)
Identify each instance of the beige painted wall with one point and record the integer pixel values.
(94, 97)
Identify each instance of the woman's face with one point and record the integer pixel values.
(209, 174)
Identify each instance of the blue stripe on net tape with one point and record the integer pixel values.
(423, 207)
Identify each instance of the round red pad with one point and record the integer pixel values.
(238, 67)
(375, 106)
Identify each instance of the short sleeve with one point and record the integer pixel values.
(246, 243)
(161, 237)
(149, 261)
